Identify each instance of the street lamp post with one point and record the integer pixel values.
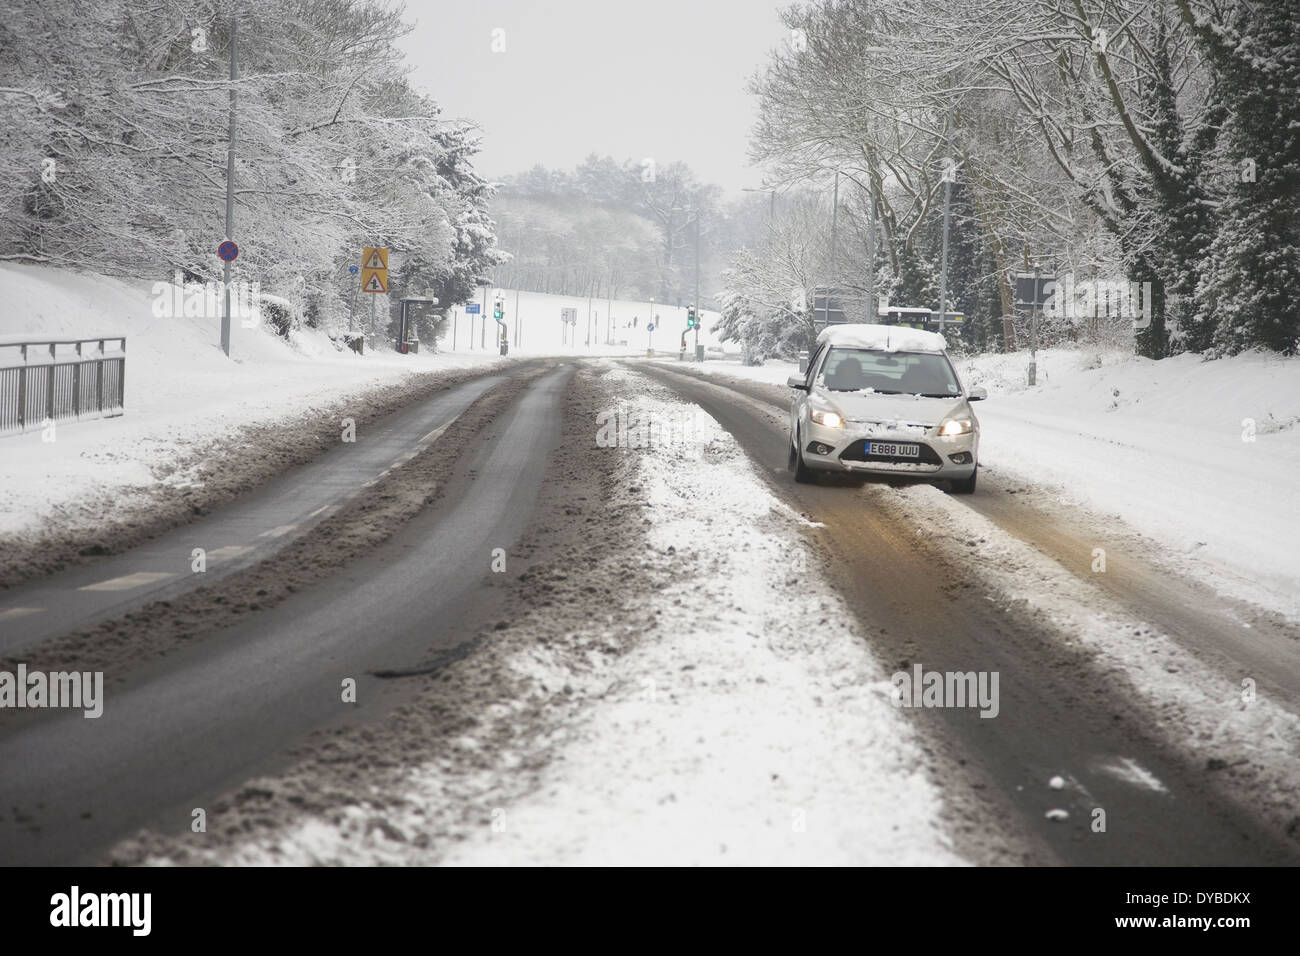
(949, 174)
(1033, 332)
(771, 206)
(698, 306)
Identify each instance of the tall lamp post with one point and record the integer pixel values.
(698, 305)
(771, 207)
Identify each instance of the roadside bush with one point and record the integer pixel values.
(280, 317)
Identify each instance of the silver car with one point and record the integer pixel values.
(881, 400)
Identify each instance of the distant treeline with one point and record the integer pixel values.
(620, 229)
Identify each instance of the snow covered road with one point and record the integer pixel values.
(674, 654)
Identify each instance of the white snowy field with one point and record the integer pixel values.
(534, 323)
(1202, 456)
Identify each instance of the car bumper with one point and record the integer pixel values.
(843, 450)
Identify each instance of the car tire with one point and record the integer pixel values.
(802, 473)
(966, 486)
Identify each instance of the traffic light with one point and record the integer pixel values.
(498, 310)
(690, 317)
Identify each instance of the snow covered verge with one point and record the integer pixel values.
(1202, 456)
(187, 404)
(1216, 720)
(655, 697)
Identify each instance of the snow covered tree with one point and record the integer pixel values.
(1179, 211)
(113, 149)
(1252, 267)
(768, 290)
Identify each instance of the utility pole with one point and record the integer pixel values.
(230, 180)
(835, 213)
(871, 256)
(516, 315)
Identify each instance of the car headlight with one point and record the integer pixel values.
(955, 426)
(829, 419)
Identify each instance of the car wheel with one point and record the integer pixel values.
(802, 473)
(966, 486)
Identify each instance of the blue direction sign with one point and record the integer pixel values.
(352, 270)
(650, 327)
(472, 308)
(228, 251)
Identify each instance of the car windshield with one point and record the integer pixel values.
(889, 373)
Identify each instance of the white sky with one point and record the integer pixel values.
(664, 79)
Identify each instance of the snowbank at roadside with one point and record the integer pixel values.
(1209, 715)
(181, 390)
(1202, 456)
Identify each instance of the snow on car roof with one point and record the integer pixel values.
(887, 338)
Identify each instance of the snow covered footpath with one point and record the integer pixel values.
(676, 685)
(1202, 456)
(182, 392)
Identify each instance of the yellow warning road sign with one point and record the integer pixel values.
(374, 269)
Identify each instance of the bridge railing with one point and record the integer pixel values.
(47, 380)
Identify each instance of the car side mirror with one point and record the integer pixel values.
(977, 394)
(795, 381)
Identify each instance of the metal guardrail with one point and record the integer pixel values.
(44, 380)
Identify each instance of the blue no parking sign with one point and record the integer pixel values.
(228, 251)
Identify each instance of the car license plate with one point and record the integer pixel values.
(892, 449)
